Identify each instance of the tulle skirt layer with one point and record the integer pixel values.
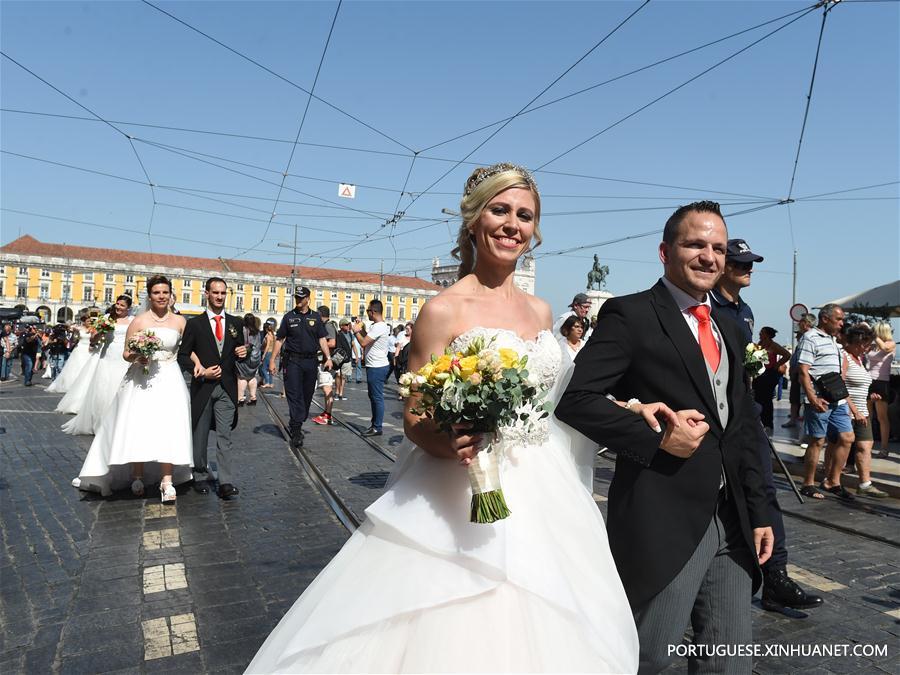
(77, 391)
(107, 377)
(418, 588)
(71, 370)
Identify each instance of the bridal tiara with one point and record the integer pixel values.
(482, 173)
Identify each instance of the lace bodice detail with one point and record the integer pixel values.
(171, 341)
(543, 367)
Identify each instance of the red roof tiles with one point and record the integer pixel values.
(28, 245)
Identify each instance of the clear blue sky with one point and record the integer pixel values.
(424, 72)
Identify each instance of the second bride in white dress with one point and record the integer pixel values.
(145, 434)
(106, 376)
(76, 361)
(418, 587)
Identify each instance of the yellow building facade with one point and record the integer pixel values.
(58, 281)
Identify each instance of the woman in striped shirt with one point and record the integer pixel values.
(858, 380)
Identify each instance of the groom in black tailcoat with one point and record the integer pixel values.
(217, 340)
(688, 520)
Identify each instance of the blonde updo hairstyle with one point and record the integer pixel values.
(474, 203)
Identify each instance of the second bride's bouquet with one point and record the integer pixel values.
(482, 387)
(104, 323)
(146, 344)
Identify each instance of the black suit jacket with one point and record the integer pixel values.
(199, 339)
(660, 505)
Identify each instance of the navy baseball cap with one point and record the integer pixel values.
(301, 292)
(738, 251)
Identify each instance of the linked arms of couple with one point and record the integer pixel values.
(214, 372)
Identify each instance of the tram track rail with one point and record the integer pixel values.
(338, 506)
(890, 515)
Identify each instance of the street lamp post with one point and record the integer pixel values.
(293, 247)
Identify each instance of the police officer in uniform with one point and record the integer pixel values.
(303, 335)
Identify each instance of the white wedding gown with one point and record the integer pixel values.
(104, 384)
(78, 390)
(76, 361)
(149, 420)
(418, 588)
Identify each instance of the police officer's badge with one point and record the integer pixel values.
(312, 323)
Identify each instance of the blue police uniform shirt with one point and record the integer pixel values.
(739, 311)
(301, 332)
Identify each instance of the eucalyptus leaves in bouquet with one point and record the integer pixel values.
(486, 388)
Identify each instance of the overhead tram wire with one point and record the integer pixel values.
(640, 235)
(174, 188)
(257, 178)
(535, 98)
(525, 107)
(398, 214)
(856, 189)
(166, 146)
(673, 90)
(189, 191)
(299, 129)
(339, 147)
(208, 132)
(279, 76)
(119, 229)
(828, 6)
(622, 76)
(128, 137)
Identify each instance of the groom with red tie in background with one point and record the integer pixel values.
(688, 520)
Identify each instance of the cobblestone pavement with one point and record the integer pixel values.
(123, 584)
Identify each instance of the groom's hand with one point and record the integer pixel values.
(684, 439)
(764, 540)
(213, 373)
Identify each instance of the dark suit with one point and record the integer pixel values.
(661, 506)
(220, 395)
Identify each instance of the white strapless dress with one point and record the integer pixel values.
(149, 420)
(418, 588)
(107, 377)
(78, 390)
(76, 361)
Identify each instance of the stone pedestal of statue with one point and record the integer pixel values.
(597, 299)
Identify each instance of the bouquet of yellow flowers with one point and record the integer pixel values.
(482, 387)
(755, 359)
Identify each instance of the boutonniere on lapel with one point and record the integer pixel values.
(232, 331)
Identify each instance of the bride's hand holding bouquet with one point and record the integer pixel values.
(471, 395)
(144, 345)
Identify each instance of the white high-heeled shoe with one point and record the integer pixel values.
(167, 492)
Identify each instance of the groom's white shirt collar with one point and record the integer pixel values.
(211, 314)
(685, 301)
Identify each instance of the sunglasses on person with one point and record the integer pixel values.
(743, 265)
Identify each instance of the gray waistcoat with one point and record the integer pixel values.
(221, 343)
(718, 380)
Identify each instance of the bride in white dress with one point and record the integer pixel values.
(76, 361)
(146, 431)
(107, 376)
(419, 588)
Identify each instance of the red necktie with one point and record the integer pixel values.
(220, 334)
(708, 343)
